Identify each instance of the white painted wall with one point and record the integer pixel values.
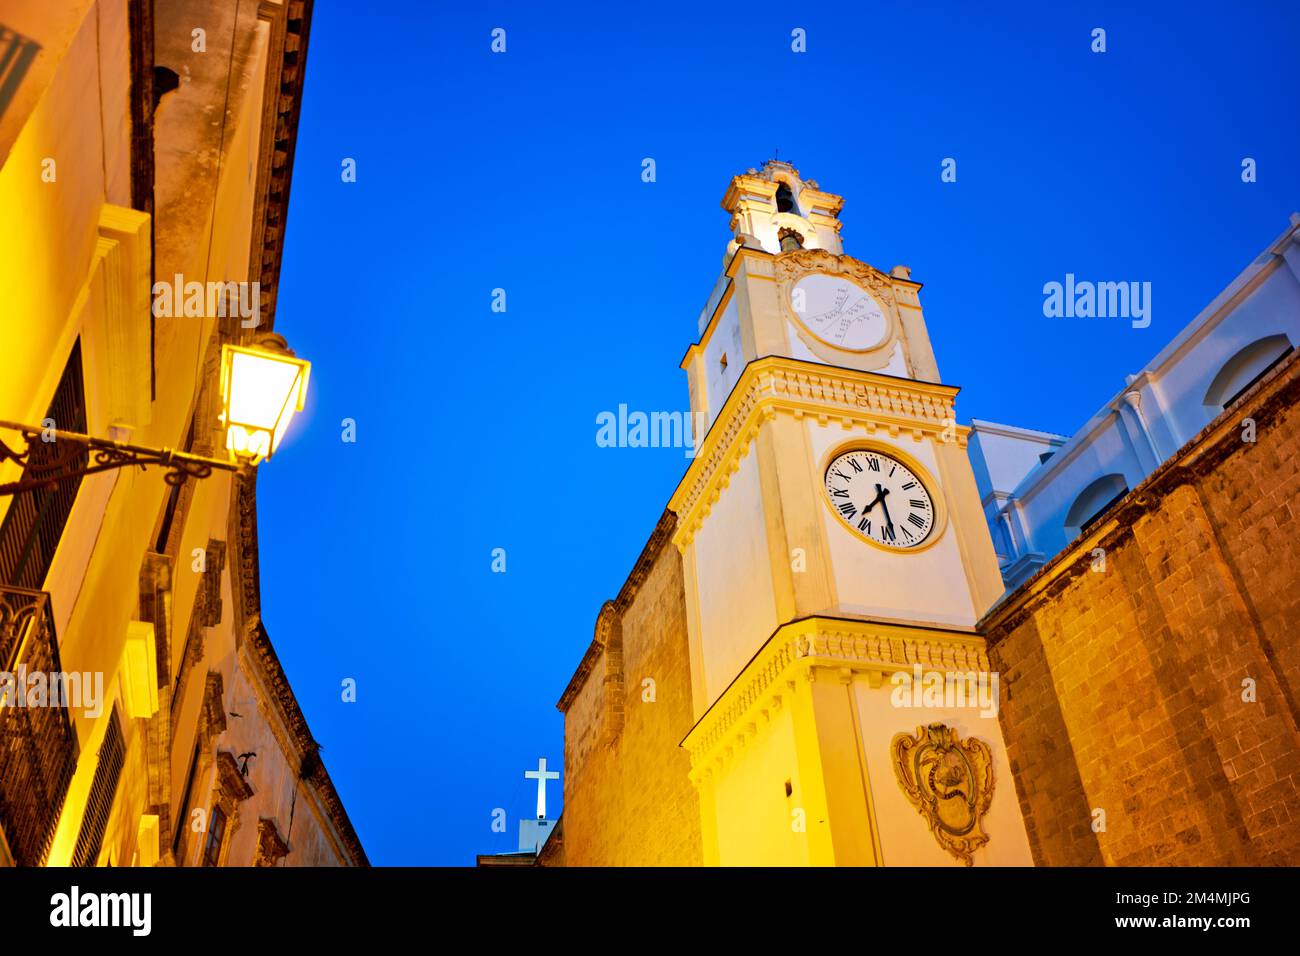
(927, 586)
(737, 599)
(896, 364)
(725, 341)
(905, 836)
(1157, 411)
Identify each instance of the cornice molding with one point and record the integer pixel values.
(794, 265)
(743, 186)
(817, 199)
(757, 185)
(257, 645)
(1199, 457)
(611, 612)
(981, 426)
(579, 679)
(795, 651)
(290, 24)
(777, 385)
(645, 562)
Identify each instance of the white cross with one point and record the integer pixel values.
(541, 775)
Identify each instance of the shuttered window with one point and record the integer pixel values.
(35, 520)
(102, 790)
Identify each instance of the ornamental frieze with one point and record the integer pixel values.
(803, 389)
(793, 265)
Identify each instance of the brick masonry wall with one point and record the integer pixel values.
(1124, 686)
(627, 798)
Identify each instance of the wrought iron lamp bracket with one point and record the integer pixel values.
(74, 455)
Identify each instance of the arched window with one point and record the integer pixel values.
(1245, 369)
(1093, 502)
(785, 199)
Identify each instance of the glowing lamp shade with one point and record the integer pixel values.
(260, 392)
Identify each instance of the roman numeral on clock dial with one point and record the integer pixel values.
(880, 498)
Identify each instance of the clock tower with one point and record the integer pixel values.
(836, 560)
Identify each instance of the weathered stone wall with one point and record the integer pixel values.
(627, 798)
(1127, 683)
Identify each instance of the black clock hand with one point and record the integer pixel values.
(888, 522)
(880, 497)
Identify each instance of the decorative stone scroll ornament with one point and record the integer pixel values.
(872, 306)
(950, 782)
(791, 266)
(271, 848)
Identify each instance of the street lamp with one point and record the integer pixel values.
(262, 386)
(261, 389)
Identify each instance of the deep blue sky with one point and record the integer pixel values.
(476, 430)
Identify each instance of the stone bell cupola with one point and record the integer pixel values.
(777, 210)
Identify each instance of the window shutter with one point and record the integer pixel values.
(102, 790)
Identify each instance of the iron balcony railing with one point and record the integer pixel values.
(38, 748)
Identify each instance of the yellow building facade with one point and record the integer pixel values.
(146, 150)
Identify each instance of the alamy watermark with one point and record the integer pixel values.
(202, 300)
(634, 429)
(133, 911)
(1083, 299)
(952, 689)
(72, 689)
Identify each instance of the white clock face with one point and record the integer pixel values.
(880, 498)
(839, 312)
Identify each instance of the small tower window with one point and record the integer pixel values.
(785, 199)
(790, 239)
